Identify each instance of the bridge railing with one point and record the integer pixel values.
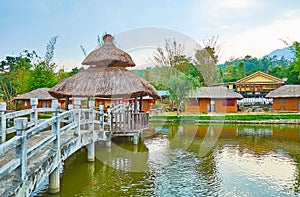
(15, 152)
(17, 147)
(7, 119)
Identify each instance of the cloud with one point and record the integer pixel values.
(260, 41)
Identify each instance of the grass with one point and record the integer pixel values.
(233, 117)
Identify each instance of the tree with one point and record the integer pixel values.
(206, 60)
(165, 56)
(176, 82)
(175, 72)
(295, 65)
(42, 75)
(14, 75)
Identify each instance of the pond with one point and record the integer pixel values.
(190, 160)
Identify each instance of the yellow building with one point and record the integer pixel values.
(258, 84)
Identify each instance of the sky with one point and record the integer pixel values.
(243, 27)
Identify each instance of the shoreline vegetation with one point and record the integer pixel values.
(230, 118)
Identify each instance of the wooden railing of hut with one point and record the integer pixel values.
(16, 151)
(125, 120)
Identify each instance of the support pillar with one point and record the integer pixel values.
(77, 104)
(54, 178)
(67, 103)
(91, 147)
(135, 139)
(90, 152)
(3, 121)
(34, 115)
(54, 182)
(20, 124)
(141, 102)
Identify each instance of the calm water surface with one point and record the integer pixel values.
(190, 160)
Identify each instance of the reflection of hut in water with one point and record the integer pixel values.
(124, 156)
(106, 78)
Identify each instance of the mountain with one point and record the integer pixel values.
(287, 53)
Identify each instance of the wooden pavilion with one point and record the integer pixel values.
(106, 78)
(286, 98)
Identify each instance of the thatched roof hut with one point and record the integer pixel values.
(40, 94)
(216, 92)
(44, 98)
(107, 76)
(286, 91)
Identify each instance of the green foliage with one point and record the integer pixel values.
(27, 71)
(238, 68)
(206, 64)
(75, 71)
(176, 82)
(15, 72)
(294, 69)
(42, 78)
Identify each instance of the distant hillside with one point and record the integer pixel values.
(286, 53)
(278, 57)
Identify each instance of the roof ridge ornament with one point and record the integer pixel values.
(108, 39)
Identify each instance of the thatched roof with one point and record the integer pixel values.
(108, 55)
(285, 92)
(216, 92)
(104, 82)
(40, 94)
(108, 79)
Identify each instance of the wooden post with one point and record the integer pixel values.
(3, 121)
(34, 115)
(135, 104)
(141, 102)
(20, 124)
(101, 118)
(91, 147)
(109, 118)
(71, 118)
(67, 103)
(77, 104)
(54, 179)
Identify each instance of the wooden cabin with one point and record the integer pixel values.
(44, 98)
(212, 99)
(258, 84)
(286, 98)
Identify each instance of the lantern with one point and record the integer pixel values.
(151, 101)
(124, 100)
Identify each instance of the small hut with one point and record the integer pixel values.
(107, 77)
(286, 98)
(212, 99)
(44, 98)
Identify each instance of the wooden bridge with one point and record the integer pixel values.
(37, 147)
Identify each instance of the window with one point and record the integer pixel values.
(193, 102)
(228, 102)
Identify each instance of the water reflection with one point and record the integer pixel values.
(191, 160)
